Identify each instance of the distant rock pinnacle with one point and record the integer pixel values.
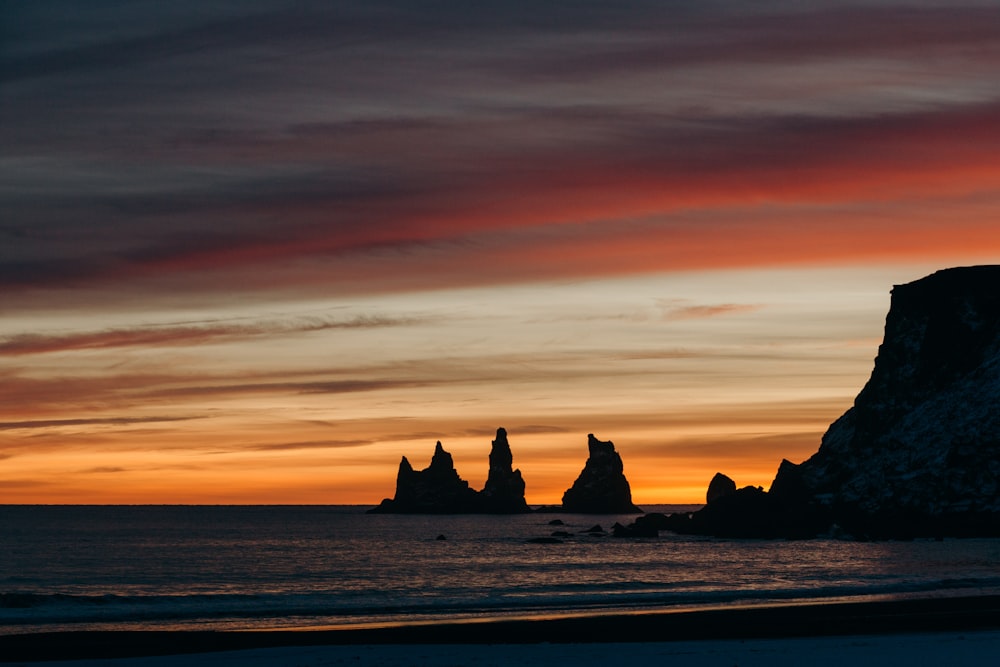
(438, 489)
(504, 490)
(601, 487)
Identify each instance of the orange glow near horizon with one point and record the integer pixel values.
(263, 269)
(684, 385)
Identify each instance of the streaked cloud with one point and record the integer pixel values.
(102, 421)
(103, 470)
(674, 311)
(246, 248)
(319, 444)
(158, 336)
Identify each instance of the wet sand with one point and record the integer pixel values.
(898, 622)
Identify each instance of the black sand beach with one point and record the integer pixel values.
(883, 617)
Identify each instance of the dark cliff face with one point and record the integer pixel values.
(601, 487)
(919, 452)
(923, 437)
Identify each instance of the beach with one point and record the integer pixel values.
(971, 648)
(955, 630)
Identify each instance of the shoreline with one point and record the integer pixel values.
(779, 621)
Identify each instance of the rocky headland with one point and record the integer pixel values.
(919, 452)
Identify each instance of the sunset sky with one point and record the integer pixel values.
(256, 252)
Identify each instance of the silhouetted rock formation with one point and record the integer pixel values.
(504, 490)
(438, 489)
(601, 487)
(919, 453)
(647, 525)
(720, 486)
(752, 512)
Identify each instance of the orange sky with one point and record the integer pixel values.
(249, 257)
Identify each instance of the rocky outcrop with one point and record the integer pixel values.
(919, 452)
(719, 487)
(504, 490)
(438, 489)
(601, 487)
(751, 512)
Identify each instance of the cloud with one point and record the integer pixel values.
(316, 444)
(303, 387)
(179, 335)
(697, 312)
(384, 168)
(99, 421)
(17, 484)
(728, 34)
(575, 200)
(745, 450)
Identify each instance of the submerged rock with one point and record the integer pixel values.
(601, 487)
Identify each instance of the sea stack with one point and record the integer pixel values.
(720, 487)
(601, 487)
(437, 489)
(504, 490)
(919, 452)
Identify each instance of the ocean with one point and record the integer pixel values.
(254, 567)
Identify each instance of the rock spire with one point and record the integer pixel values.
(438, 489)
(504, 490)
(601, 487)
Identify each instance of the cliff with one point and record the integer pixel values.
(918, 454)
(601, 487)
(920, 449)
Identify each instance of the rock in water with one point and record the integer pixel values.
(919, 453)
(720, 487)
(601, 487)
(437, 489)
(504, 490)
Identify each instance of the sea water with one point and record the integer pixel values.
(171, 567)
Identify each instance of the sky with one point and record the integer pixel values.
(257, 252)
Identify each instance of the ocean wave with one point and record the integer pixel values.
(18, 608)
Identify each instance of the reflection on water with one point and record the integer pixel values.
(308, 566)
